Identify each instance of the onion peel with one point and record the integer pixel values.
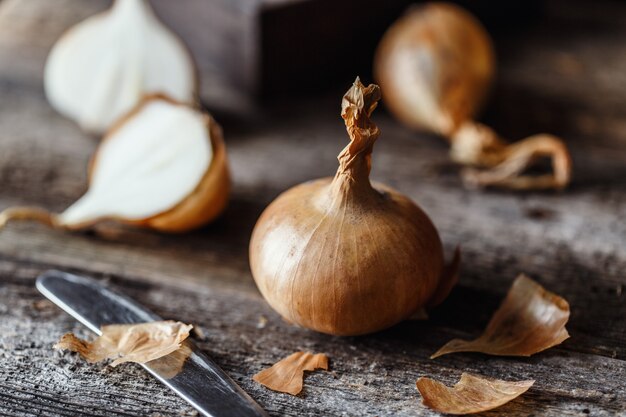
(493, 162)
(472, 394)
(287, 375)
(139, 343)
(529, 320)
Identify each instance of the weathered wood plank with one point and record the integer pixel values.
(372, 375)
(573, 242)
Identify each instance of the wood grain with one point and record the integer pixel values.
(565, 76)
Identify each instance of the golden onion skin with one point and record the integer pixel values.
(349, 271)
(434, 66)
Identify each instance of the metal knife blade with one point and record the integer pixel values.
(201, 382)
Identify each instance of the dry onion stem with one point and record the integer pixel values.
(287, 375)
(472, 394)
(529, 320)
(138, 343)
(435, 65)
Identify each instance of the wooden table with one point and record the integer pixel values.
(566, 75)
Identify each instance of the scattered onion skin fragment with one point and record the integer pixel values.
(472, 394)
(345, 256)
(102, 67)
(170, 365)
(287, 375)
(435, 66)
(182, 164)
(529, 320)
(139, 343)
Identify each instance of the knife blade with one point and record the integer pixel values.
(200, 382)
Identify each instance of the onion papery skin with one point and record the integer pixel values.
(345, 262)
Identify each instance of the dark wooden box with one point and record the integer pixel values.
(277, 47)
(271, 47)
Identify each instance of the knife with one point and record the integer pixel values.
(200, 382)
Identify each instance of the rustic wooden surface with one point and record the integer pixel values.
(566, 75)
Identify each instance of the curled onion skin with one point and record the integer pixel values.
(341, 255)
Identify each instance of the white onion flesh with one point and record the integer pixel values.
(147, 166)
(104, 65)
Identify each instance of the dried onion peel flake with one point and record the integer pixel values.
(529, 320)
(171, 365)
(138, 343)
(472, 394)
(287, 375)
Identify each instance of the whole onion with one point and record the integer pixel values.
(435, 66)
(342, 255)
